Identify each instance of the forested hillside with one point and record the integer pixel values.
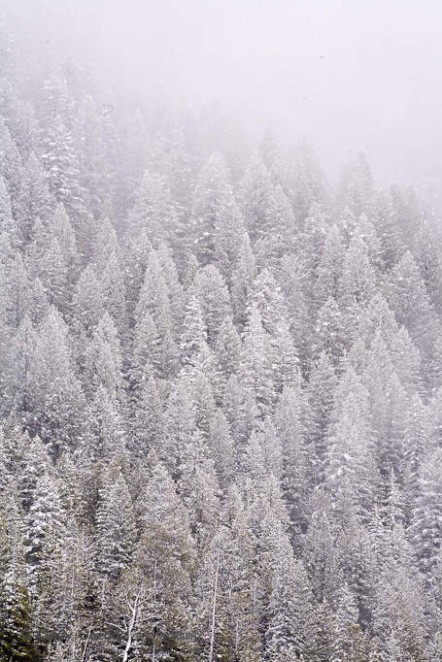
(220, 391)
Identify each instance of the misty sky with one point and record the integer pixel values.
(347, 74)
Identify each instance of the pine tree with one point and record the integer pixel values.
(356, 187)
(104, 244)
(88, 306)
(214, 633)
(318, 414)
(329, 269)
(416, 448)
(242, 279)
(320, 554)
(240, 409)
(45, 535)
(153, 211)
(240, 580)
(147, 423)
(135, 258)
(270, 302)
(53, 396)
(17, 290)
(430, 266)
(256, 195)
(54, 276)
(349, 644)
(329, 332)
(7, 225)
(271, 447)
(116, 532)
(222, 448)
(179, 428)
(60, 161)
(426, 529)
(16, 642)
(104, 362)
(228, 348)
(154, 299)
(214, 299)
(288, 422)
(87, 136)
(295, 287)
(350, 458)
(255, 370)
(278, 231)
(168, 264)
(60, 226)
(194, 333)
(387, 400)
(113, 289)
(215, 216)
(398, 616)
(357, 283)
(309, 185)
(165, 556)
(412, 307)
(290, 608)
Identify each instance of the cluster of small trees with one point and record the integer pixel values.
(220, 394)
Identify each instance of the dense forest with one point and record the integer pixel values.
(220, 390)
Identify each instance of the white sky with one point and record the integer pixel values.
(348, 74)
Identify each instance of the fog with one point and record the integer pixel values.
(346, 74)
(220, 369)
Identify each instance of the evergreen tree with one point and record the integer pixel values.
(222, 448)
(242, 279)
(88, 307)
(154, 300)
(214, 299)
(45, 535)
(17, 641)
(426, 531)
(116, 532)
(288, 421)
(329, 269)
(318, 414)
(147, 424)
(255, 370)
(60, 162)
(290, 607)
(215, 217)
(356, 187)
(104, 363)
(309, 185)
(194, 333)
(165, 556)
(349, 644)
(53, 396)
(228, 348)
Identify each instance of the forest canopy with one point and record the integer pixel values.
(220, 390)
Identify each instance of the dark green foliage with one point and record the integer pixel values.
(16, 639)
